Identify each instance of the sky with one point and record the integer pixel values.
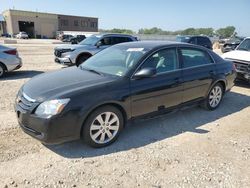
(136, 14)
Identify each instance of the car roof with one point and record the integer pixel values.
(113, 34)
(155, 44)
(193, 36)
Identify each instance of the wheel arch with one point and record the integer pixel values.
(82, 54)
(114, 104)
(4, 66)
(221, 81)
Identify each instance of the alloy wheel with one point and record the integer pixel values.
(215, 96)
(104, 127)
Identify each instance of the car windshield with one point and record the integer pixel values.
(245, 45)
(116, 60)
(92, 40)
(182, 39)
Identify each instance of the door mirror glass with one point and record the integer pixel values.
(145, 73)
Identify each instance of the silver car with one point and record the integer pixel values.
(9, 60)
(77, 54)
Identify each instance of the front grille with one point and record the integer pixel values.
(242, 67)
(25, 102)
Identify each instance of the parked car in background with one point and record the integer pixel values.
(241, 59)
(198, 40)
(64, 37)
(123, 82)
(22, 35)
(77, 54)
(9, 60)
(6, 35)
(230, 44)
(77, 39)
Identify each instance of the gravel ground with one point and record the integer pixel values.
(188, 148)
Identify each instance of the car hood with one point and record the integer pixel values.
(60, 83)
(237, 55)
(72, 47)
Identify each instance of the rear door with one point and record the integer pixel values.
(198, 72)
(162, 91)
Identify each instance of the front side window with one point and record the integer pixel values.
(194, 57)
(92, 40)
(106, 41)
(163, 61)
(193, 40)
(116, 60)
(245, 45)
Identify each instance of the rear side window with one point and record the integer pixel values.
(203, 41)
(117, 40)
(194, 57)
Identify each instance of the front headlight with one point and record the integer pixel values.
(50, 108)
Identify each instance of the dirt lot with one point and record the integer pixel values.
(188, 148)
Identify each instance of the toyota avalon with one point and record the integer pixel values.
(126, 81)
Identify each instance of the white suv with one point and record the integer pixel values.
(77, 54)
(241, 59)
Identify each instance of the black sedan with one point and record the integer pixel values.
(123, 82)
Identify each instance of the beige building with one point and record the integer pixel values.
(45, 25)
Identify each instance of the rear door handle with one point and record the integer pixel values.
(212, 72)
(177, 80)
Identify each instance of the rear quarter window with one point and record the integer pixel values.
(194, 57)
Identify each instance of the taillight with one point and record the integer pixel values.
(11, 52)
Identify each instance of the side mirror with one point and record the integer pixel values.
(98, 44)
(145, 73)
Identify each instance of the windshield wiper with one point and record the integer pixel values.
(91, 70)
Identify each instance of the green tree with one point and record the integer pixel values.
(226, 32)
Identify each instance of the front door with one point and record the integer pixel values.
(161, 91)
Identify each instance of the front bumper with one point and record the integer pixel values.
(63, 61)
(14, 64)
(57, 129)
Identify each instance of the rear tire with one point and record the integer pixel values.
(2, 70)
(81, 59)
(214, 97)
(103, 126)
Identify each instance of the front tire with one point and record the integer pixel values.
(103, 126)
(214, 97)
(2, 71)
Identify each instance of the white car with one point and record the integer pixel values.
(9, 60)
(241, 59)
(22, 35)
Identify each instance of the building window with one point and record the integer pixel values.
(84, 23)
(64, 22)
(92, 24)
(0, 26)
(76, 23)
